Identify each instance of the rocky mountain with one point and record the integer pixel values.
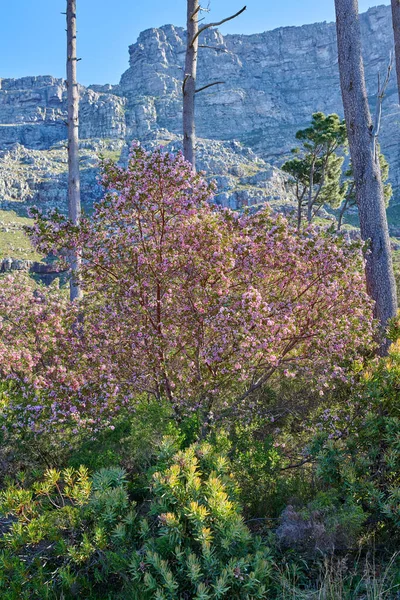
(274, 81)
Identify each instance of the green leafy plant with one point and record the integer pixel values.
(82, 535)
(316, 170)
(196, 544)
(357, 451)
(64, 533)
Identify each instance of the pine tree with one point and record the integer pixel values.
(316, 170)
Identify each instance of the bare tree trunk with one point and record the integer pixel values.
(299, 214)
(189, 82)
(310, 194)
(367, 173)
(341, 214)
(74, 195)
(396, 32)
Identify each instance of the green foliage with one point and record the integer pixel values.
(387, 187)
(131, 440)
(196, 543)
(341, 521)
(258, 464)
(350, 196)
(77, 535)
(69, 532)
(316, 170)
(325, 132)
(360, 456)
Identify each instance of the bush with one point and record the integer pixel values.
(326, 525)
(185, 302)
(260, 467)
(131, 440)
(357, 451)
(82, 536)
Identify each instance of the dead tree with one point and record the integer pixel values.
(381, 284)
(396, 32)
(74, 194)
(189, 90)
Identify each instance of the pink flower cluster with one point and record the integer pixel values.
(183, 301)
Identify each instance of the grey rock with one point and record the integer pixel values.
(274, 81)
(33, 112)
(12, 264)
(314, 531)
(39, 177)
(46, 273)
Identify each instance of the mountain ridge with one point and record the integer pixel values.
(274, 80)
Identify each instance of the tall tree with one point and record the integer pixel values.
(365, 163)
(189, 82)
(316, 170)
(396, 32)
(74, 194)
(189, 90)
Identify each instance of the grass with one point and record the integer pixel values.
(341, 579)
(14, 242)
(250, 169)
(113, 155)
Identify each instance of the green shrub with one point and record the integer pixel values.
(82, 536)
(131, 440)
(259, 465)
(195, 542)
(357, 452)
(64, 533)
(324, 526)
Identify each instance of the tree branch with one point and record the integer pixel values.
(216, 24)
(208, 85)
(213, 48)
(201, 9)
(297, 465)
(198, 9)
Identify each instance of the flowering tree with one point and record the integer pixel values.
(36, 325)
(192, 304)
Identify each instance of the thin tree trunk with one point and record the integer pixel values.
(299, 213)
(341, 214)
(396, 32)
(367, 173)
(74, 197)
(310, 194)
(300, 198)
(189, 82)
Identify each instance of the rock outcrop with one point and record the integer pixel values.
(274, 81)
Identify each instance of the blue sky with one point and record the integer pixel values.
(32, 32)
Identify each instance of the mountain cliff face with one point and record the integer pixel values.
(274, 81)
